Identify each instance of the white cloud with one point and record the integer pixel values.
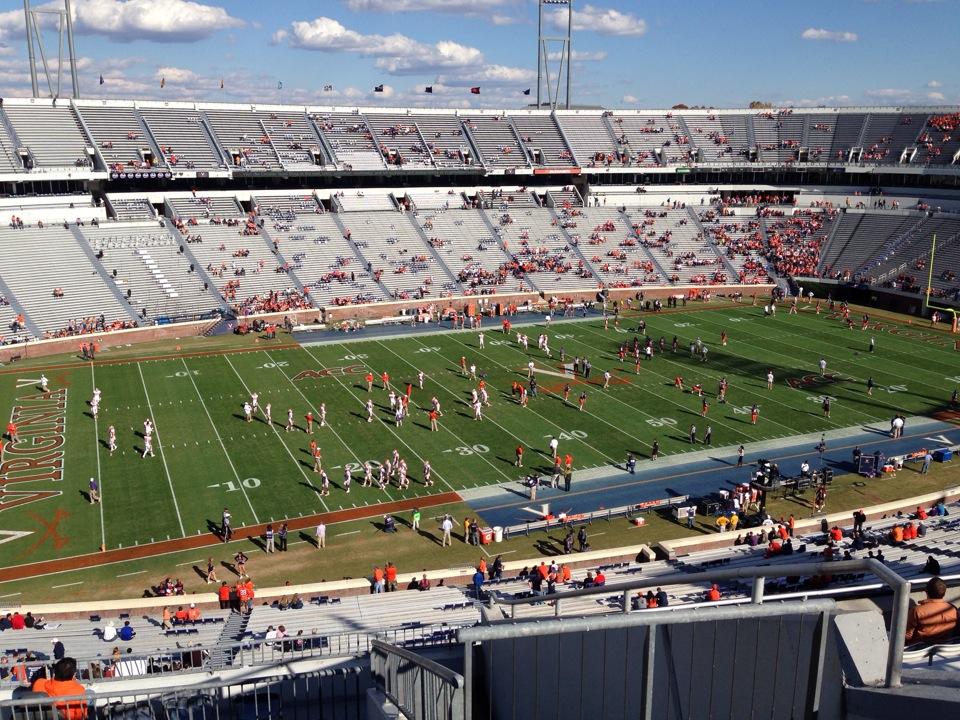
(934, 84)
(833, 35)
(629, 100)
(176, 76)
(938, 96)
(606, 21)
(175, 21)
(499, 75)
(397, 54)
(581, 56)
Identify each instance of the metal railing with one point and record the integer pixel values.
(899, 586)
(420, 688)
(251, 652)
(290, 696)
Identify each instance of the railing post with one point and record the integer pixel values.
(467, 680)
(648, 669)
(626, 601)
(898, 630)
(756, 597)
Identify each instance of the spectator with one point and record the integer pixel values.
(126, 633)
(933, 618)
(478, 577)
(713, 594)
(17, 622)
(59, 652)
(166, 619)
(64, 684)
(424, 583)
(109, 632)
(193, 613)
(223, 595)
(932, 567)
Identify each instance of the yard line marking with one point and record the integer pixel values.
(10, 595)
(137, 572)
(176, 506)
(619, 430)
(348, 448)
(54, 587)
(220, 440)
(96, 437)
(444, 426)
(383, 422)
(282, 441)
(351, 532)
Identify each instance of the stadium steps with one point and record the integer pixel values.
(198, 267)
(751, 133)
(325, 143)
(628, 220)
(221, 654)
(356, 251)
(18, 307)
(9, 143)
(281, 260)
(709, 238)
(102, 272)
(496, 235)
(575, 246)
(433, 251)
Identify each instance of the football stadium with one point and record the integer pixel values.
(470, 399)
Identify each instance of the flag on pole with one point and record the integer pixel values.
(475, 90)
(328, 88)
(163, 82)
(428, 89)
(280, 85)
(378, 88)
(101, 78)
(221, 83)
(527, 91)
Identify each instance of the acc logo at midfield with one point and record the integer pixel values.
(330, 372)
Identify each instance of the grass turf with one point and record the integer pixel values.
(354, 547)
(208, 458)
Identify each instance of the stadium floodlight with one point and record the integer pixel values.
(62, 20)
(544, 43)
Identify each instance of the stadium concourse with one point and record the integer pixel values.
(248, 259)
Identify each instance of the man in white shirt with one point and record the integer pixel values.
(446, 526)
(321, 536)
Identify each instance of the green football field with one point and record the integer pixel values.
(207, 457)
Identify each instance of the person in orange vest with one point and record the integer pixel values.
(64, 684)
(243, 595)
(12, 431)
(369, 379)
(519, 462)
(250, 593)
(385, 377)
(390, 576)
(568, 462)
(713, 594)
(223, 595)
(482, 566)
(377, 580)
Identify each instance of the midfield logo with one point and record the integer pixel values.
(815, 382)
(330, 372)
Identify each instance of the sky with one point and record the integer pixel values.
(626, 53)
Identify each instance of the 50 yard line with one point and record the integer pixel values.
(183, 533)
